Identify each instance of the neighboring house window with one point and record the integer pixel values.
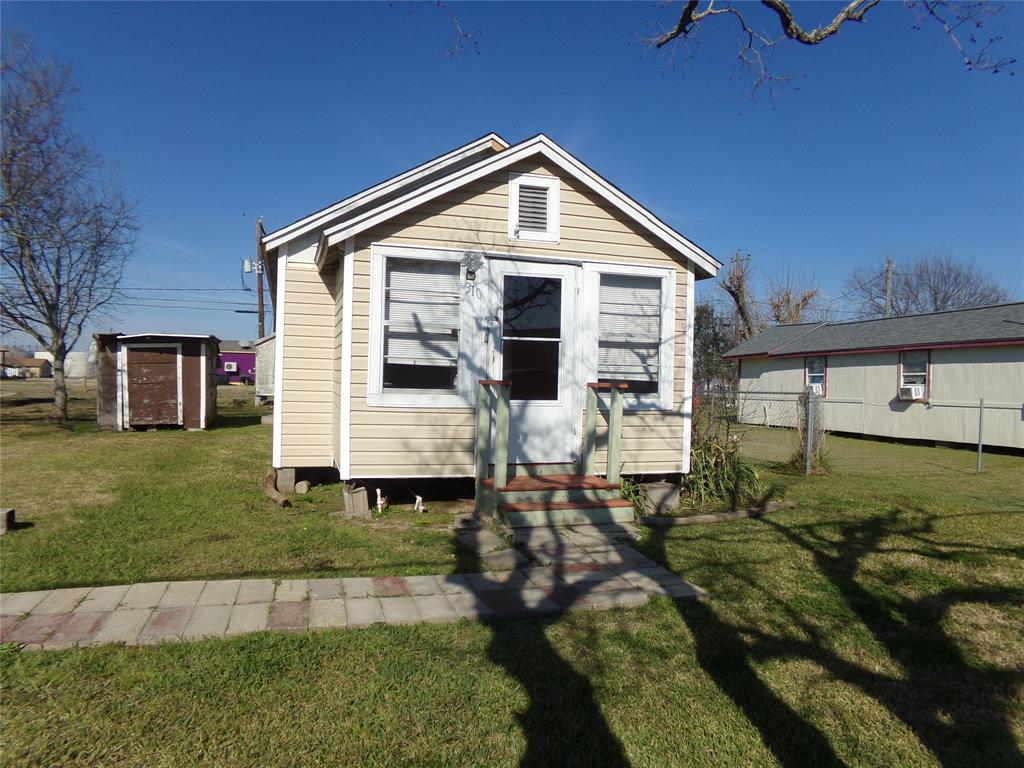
(421, 324)
(914, 368)
(533, 207)
(814, 372)
(632, 321)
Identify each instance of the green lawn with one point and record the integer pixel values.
(113, 508)
(878, 622)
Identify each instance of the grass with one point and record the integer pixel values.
(113, 508)
(877, 623)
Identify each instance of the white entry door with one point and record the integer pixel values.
(534, 348)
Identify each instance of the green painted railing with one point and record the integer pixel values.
(587, 460)
(500, 391)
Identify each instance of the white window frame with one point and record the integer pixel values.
(552, 185)
(592, 271)
(927, 370)
(824, 373)
(470, 357)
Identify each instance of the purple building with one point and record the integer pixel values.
(236, 363)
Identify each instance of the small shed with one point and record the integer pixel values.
(236, 363)
(155, 379)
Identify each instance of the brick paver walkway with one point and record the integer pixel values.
(552, 571)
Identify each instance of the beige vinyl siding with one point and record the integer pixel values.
(439, 441)
(862, 395)
(307, 417)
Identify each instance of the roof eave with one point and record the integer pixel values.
(703, 262)
(308, 223)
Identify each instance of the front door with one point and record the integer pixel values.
(535, 350)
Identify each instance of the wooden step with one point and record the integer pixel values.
(553, 482)
(523, 514)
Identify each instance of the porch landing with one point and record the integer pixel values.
(572, 568)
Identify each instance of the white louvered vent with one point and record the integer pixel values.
(421, 322)
(533, 209)
(629, 340)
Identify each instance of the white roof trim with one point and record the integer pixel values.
(539, 144)
(166, 336)
(322, 217)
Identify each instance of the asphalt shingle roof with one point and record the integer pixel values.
(1001, 322)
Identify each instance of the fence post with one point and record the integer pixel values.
(808, 430)
(981, 429)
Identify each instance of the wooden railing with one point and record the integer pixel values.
(614, 430)
(500, 391)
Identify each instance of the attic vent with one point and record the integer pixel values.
(533, 200)
(533, 209)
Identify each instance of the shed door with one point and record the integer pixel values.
(153, 385)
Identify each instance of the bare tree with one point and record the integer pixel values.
(791, 299)
(930, 283)
(67, 229)
(963, 23)
(736, 281)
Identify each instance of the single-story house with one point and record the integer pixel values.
(920, 377)
(148, 380)
(77, 365)
(457, 319)
(236, 363)
(27, 368)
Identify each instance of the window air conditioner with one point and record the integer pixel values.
(230, 366)
(913, 392)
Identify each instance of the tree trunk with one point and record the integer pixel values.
(59, 412)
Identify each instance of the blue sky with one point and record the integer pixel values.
(215, 114)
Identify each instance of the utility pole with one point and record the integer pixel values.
(888, 287)
(259, 278)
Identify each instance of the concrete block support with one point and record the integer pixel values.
(286, 480)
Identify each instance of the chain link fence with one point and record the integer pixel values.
(767, 425)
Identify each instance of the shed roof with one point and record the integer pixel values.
(959, 327)
(232, 345)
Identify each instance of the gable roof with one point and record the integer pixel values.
(474, 150)
(366, 210)
(957, 327)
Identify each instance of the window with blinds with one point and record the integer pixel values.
(629, 332)
(421, 324)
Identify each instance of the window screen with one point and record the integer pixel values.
(815, 368)
(421, 324)
(629, 332)
(914, 368)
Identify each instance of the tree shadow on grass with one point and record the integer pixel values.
(957, 710)
(562, 723)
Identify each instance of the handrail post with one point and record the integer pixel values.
(614, 435)
(590, 433)
(483, 440)
(503, 392)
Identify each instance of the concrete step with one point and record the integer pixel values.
(555, 488)
(524, 514)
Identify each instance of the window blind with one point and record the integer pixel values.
(421, 319)
(629, 330)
